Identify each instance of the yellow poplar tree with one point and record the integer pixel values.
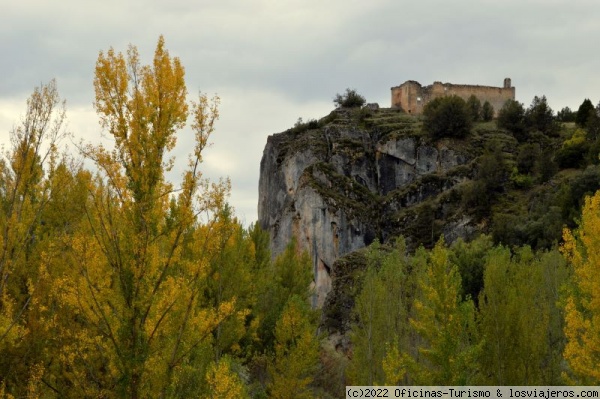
(141, 324)
(23, 195)
(224, 383)
(231, 276)
(25, 192)
(296, 352)
(582, 308)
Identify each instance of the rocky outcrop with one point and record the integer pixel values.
(355, 176)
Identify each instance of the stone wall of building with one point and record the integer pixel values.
(412, 97)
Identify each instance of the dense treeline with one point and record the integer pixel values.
(114, 283)
(481, 314)
(433, 331)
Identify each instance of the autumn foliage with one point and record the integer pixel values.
(115, 282)
(582, 310)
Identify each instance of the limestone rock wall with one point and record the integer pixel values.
(337, 187)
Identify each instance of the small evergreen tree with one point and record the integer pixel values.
(583, 112)
(511, 118)
(539, 116)
(487, 111)
(447, 117)
(474, 105)
(592, 124)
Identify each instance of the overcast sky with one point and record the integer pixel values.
(273, 61)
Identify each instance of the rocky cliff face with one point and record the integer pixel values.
(355, 176)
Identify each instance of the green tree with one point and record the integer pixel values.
(232, 278)
(545, 166)
(573, 152)
(592, 125)
(487, 111)
(528, 156)
(511, 117)
(381, 310)
(260, 242)
(448, 347)
(539, 116)
(369, 336)
(583, 112)
(447, 117)
(350, 99)
(491, 178)
(519, 319)
(296, 352)
(289, 275)
(566, 115)
(470, 260)
(474, 106)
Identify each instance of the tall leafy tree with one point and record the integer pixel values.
(29, 179)
(141, 262)
(296, 352)
(470, 260)
(289, 275)
(448, 348)
(519, 318)
(582, 307)
(382, 312)
(230, 279)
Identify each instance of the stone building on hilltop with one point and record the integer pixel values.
(411, 97)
